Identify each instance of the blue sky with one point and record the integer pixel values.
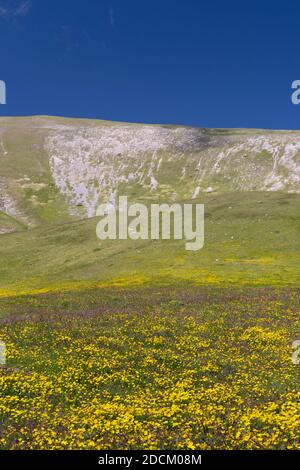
(202, 63)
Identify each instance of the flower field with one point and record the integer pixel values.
(194, 368)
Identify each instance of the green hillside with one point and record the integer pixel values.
(55, 171)
(249, 239)
(142, 344)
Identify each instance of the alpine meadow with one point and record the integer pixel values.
(141, 344)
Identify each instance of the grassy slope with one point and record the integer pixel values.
(25, 174)
(155, 368)
(249, 239)
(129, 349)
(25, 170)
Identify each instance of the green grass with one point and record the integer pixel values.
(249, 239)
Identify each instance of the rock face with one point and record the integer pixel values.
(52, 167)
(93, 164)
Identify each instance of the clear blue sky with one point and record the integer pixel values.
(204, 63)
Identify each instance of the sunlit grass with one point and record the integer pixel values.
(196, 368)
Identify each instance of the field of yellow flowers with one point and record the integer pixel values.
(193, 368)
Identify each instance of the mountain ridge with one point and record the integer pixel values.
(54, 169)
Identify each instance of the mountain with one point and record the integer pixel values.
(56, 168)
(54, 172)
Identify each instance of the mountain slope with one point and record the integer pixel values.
(53, 169)
(248, 241)
(54, 172)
